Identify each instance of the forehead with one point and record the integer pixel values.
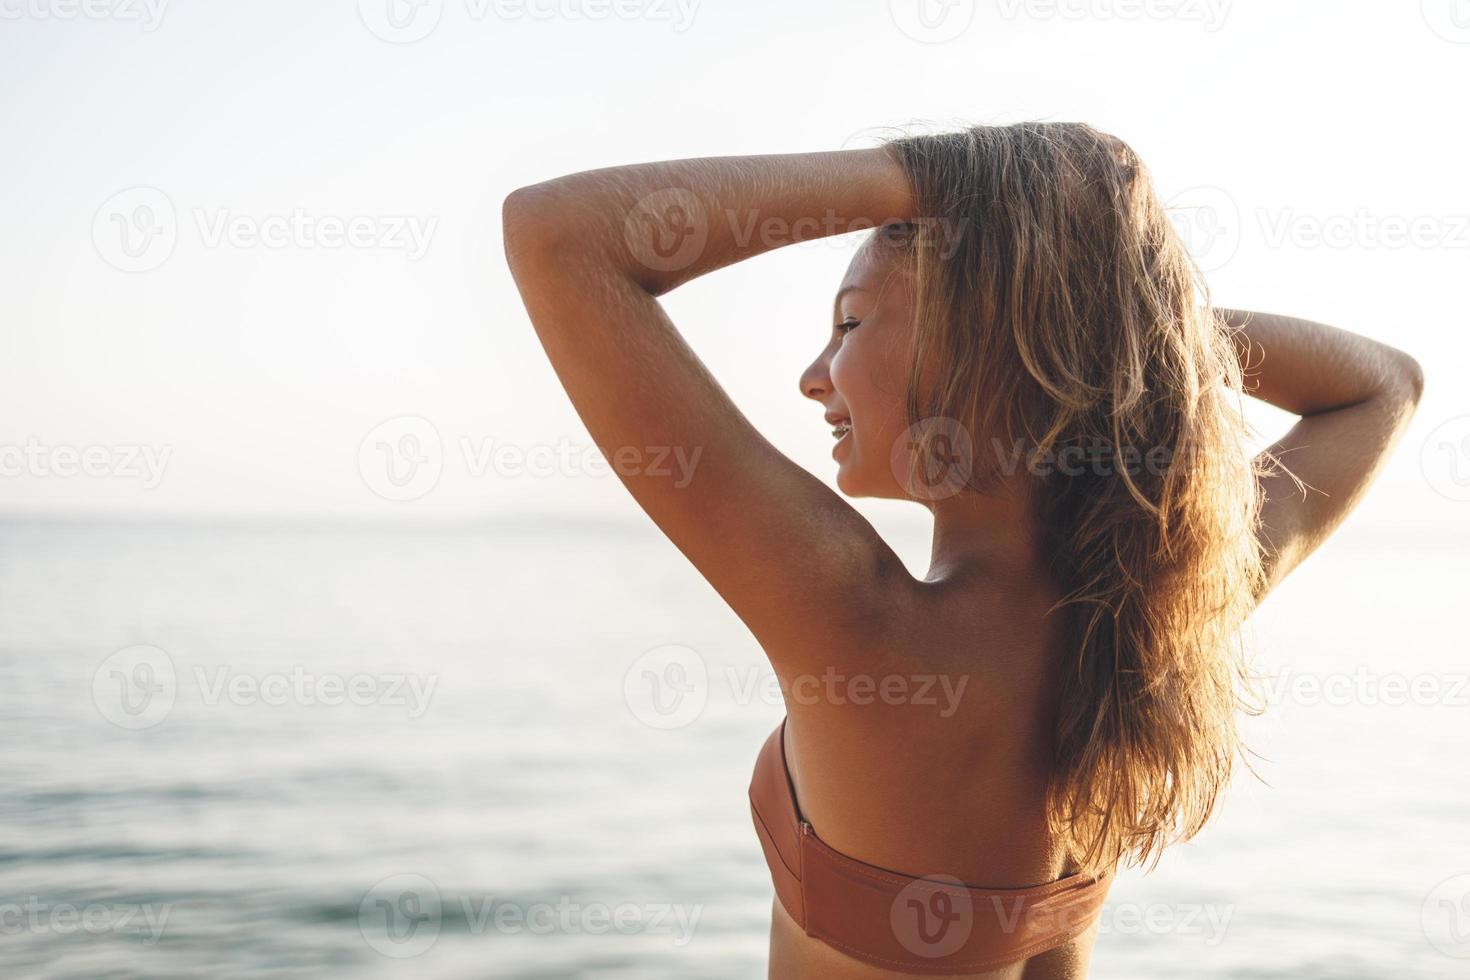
(877, 259)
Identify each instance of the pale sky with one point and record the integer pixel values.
(230, 376)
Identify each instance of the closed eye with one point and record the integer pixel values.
(846, 325)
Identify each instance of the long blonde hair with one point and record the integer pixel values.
(1054, 291)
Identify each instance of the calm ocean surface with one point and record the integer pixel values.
(239, 752)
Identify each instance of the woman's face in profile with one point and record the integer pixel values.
(861, 375)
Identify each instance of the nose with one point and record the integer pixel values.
(816, 380)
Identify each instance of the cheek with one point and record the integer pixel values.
(871, 380)
(852, 376)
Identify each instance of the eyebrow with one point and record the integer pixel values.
(837, 300)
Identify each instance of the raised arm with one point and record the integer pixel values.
(590, 253)
(1355, 397)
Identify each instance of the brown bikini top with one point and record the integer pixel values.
(931, 925)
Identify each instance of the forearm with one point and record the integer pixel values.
(1355, 397)
(1308, 368)
(663, 224)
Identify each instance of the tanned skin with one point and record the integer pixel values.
(916, 791)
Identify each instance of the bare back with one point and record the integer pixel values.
(897, 783)
(947, 774)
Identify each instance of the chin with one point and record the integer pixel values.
(851, 482)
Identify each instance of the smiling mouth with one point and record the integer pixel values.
(841, 429)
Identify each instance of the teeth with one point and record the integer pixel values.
(841, 430)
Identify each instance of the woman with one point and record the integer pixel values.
(1023, 347)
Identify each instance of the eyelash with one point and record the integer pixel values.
(846, 325)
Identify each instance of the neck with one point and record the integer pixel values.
(995, 532)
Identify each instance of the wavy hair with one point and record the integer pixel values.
(1068, 317)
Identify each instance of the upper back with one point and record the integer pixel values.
(930, 753)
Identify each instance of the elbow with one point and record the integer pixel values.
(528, 207)
(529, 224)
(1411, 380)
(557, 225)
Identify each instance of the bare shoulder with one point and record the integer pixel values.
(955, 653)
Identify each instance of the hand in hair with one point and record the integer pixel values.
(590, 253)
